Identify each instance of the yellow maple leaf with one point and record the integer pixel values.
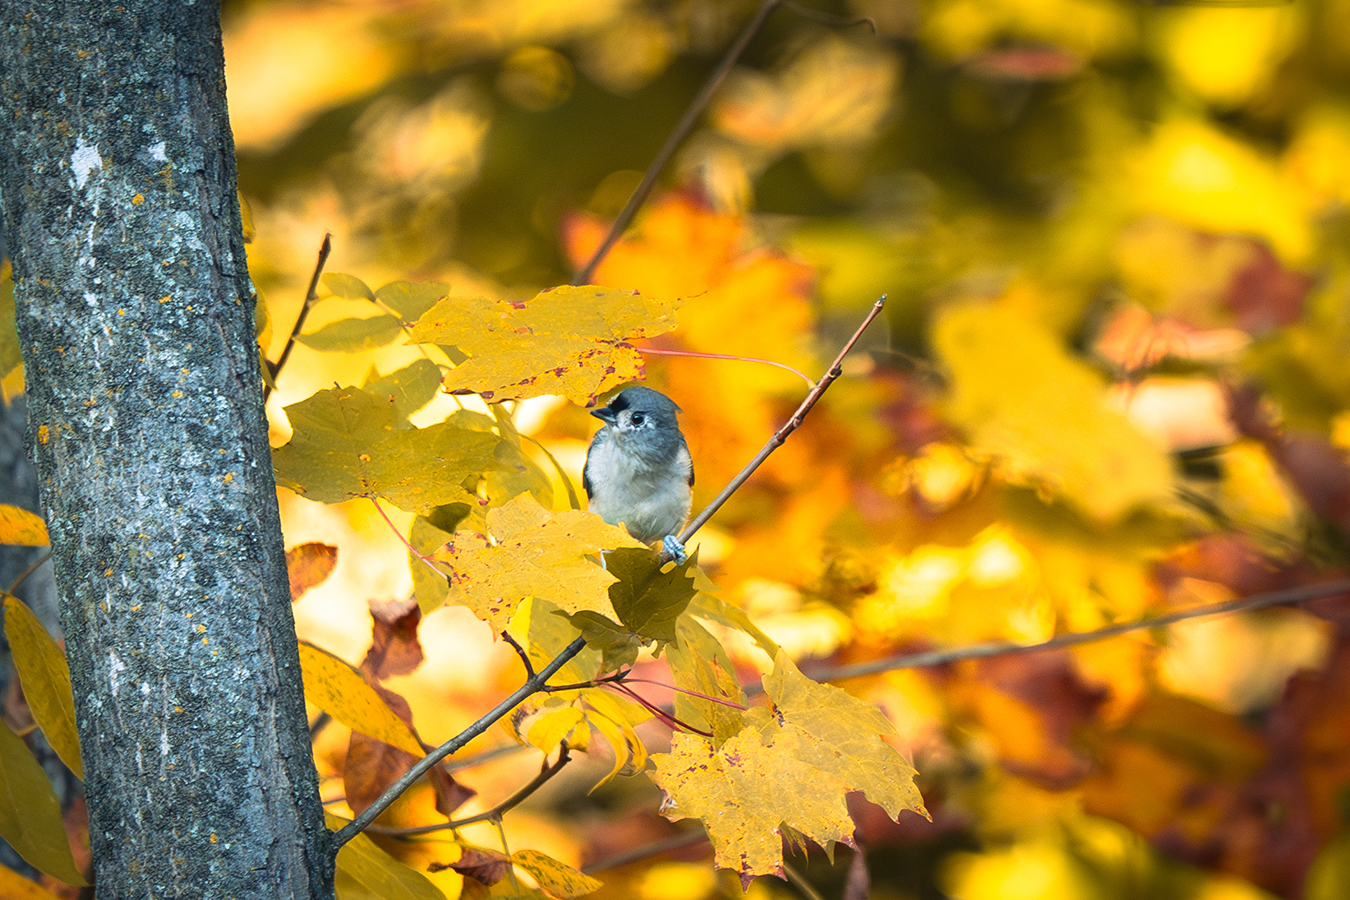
(535, 553)
(793, 766)
(571, 341)
(745, 790)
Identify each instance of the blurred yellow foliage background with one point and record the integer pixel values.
(1097, 221)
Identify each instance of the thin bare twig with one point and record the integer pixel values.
(673, 142)
(23, 576)
(1004, 648)
(546, 773)
(310, 296)
(532, 685)
(637, 854)
(781, 434)
(520, 651)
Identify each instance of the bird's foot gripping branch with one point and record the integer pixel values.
(485, 535)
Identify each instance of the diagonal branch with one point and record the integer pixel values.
(1004, 648)
(23, 576)
(532, 685)
(781, 434)
(673, 142)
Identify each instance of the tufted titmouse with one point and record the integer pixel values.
(638, 470)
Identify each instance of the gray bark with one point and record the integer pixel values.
(117, 181)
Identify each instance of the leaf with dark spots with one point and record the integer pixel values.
(569, 341)
(826, 744)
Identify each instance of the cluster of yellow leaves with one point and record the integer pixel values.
(550, 576)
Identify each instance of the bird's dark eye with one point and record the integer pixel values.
(638, 418)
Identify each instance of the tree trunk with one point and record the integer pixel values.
(117, 179)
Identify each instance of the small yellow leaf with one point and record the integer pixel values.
(555, 878)
(430, 586)
(14, 886)
(609, 718)
(45, 679)
(549, 730)
(337, 689)
(378, 872)
(19, 526)
(30, 816)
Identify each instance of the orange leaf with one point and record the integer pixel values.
(394, 648)
(16, 887)
(19, 526)
(482, 864)
(308, 565)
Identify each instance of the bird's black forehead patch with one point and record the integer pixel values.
(620, 403)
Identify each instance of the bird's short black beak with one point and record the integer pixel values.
(605, 414)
